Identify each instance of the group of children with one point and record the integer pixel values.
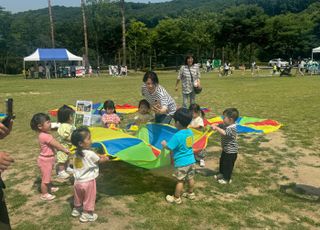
(84, 166)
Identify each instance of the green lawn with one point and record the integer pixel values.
(261, 195)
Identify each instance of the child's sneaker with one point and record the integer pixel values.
(218, 176)
(86, 217)
(223, 181)
(75, 212)
(202, 163)
(47, 197)
(172, 199)
(190, 196)
(54, 189)
(63, 175)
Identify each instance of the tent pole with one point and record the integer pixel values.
(55, 69)
(24, 69)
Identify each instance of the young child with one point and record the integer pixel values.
(65, 118)
(228, 132)
(144, 113)
(110, 119)
(181, 146)
(85, 171)
(197, 123)
(41, 123)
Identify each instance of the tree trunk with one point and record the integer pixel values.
(124, 59)
(85, 35)
(51, 24)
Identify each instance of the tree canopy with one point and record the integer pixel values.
(162, 33)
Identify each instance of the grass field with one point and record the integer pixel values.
(275, 182)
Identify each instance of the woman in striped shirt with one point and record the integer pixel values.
(187, 72)
(161, 102)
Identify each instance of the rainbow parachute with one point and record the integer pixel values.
(143, 150)
(250, 124)
(122, 109)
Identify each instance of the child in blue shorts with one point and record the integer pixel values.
(180, 146)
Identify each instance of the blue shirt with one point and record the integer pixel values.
(181, 146)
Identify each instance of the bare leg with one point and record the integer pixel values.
(179, 189)
(44, 188)
(191, 185)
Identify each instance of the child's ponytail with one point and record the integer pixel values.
(78, 136)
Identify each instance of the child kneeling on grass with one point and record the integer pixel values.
(85, 171)
(181, 146)
(228, 132)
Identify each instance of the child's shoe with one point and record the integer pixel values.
(202, 163)
(223, 181)
(63, 175)
(75, 212)
(54, 189)
(218, 176)
(190, 196)
(86, 217)
(47, 197)
(172, 199)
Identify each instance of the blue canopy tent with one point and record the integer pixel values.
(59, 54)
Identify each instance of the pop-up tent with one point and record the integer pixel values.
(315, 50)
(59, 54)
(52, 55)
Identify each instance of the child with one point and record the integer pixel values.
(41, 123)
(197, 123)
(228, 132)
(181, 146)
(144, 113)
(65, 117)
(110, 119)
(86, 171)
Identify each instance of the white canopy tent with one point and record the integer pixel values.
(315, 50)
(47, 54)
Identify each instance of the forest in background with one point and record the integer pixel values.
(161, 34)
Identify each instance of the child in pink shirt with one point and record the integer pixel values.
(41, 123)
(110, 119)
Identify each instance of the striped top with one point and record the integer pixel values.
(185, 77)
(229, 141)
(159, 96)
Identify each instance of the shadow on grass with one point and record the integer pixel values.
(301, 191)
(119, 178)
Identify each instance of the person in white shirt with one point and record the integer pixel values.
(85, 172)
(197, 123)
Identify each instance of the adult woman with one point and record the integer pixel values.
(187, 72)
(161, 102)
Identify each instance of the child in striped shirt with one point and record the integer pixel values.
(228, 132)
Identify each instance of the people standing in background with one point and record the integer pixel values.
(189, 75)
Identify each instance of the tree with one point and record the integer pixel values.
(123, 24)
(51, 24)
(85, 35)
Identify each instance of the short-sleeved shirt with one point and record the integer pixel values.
(109, 119)
(86, 168)
(64, 134)
(159, 96)
(196, 122)
(185, 77)
(229, 141)
(44, 141)
(181, 146)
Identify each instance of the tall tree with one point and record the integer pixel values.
(51, 24)
(123, 23)
(85, 35)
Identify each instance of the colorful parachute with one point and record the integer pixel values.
(250, 124)
(122, 109)
(145, 149)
